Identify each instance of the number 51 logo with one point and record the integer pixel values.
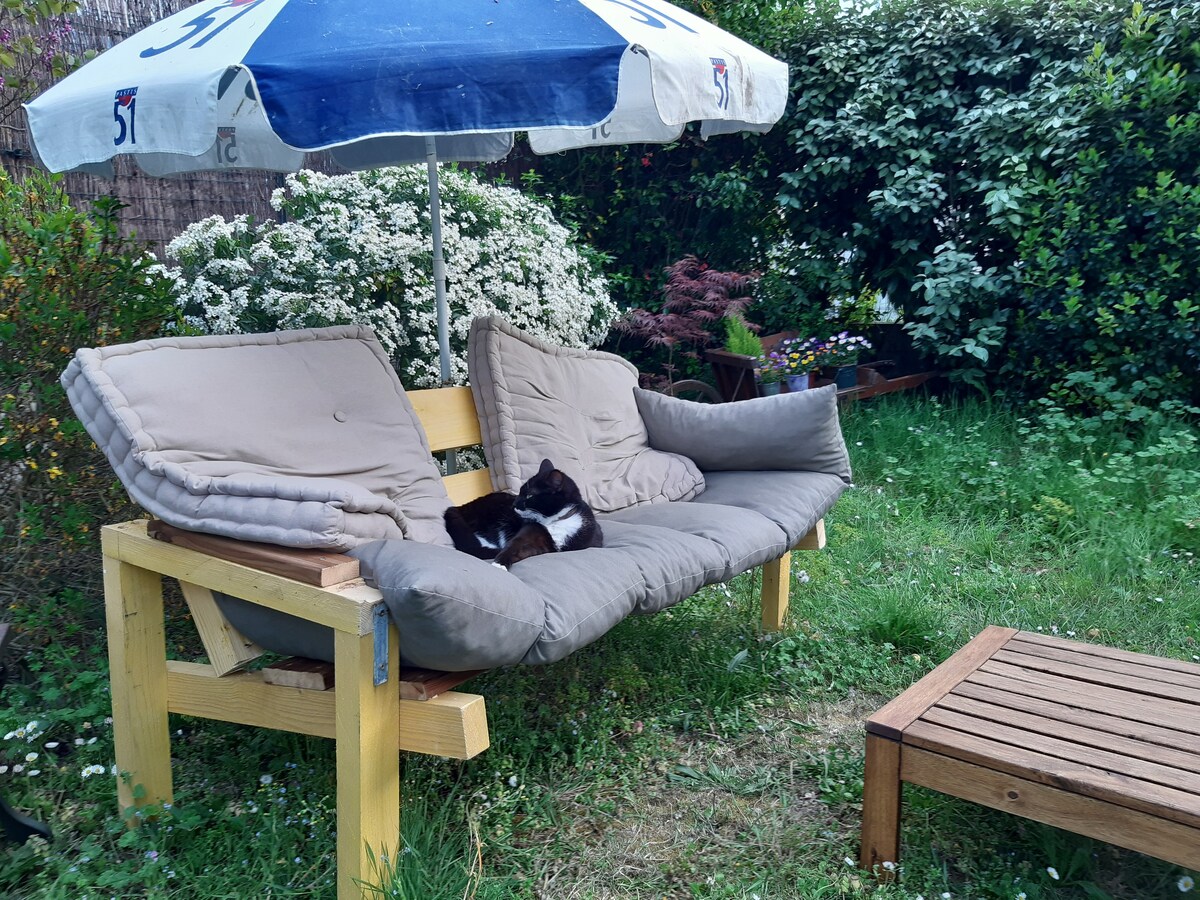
(124, 111)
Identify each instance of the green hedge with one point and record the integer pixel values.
(67, 280)
(1018, 177)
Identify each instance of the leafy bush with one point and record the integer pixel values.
(1110, 316)
(67, 280)
(33, 49)
(913, 130)
(357, 249)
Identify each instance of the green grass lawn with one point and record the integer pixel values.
(684, 755)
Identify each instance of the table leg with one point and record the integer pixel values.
(881, 806)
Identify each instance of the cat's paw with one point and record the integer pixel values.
(498, 566)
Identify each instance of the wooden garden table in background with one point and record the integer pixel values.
(1094, 740)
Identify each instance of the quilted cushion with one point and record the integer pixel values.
(575, 407)
(300, 438)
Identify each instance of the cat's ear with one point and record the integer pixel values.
(546, 468)
(556, 480)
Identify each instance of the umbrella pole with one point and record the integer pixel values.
(439, 277)
(439, 261)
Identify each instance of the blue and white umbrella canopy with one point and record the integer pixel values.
(229, 84)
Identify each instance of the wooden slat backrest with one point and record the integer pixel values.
(448, 416)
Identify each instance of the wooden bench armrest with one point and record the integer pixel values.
(348, 606)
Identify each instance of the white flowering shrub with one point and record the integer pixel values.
(357, 249)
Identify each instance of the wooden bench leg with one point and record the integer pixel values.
(137, 655)
(368, 764)
(777, 577)
(881, 807)
(776, 582)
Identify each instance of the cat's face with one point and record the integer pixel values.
(548, 491)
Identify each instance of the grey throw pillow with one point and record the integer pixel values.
(798, 432)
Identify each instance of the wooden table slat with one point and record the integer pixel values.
(1088, 675)
(1103, 718)
(1070, 752)
(1158, 662)
(1085, 736)
(1103, 699)
(1189, 680)
(892, 719)
(1132, 793)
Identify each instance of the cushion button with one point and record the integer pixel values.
(339, 416)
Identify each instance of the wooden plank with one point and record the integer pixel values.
(891, 721)
(1142, 667)
(137, 654)
(1113, 787)
(776, 584)
(425, 684)
(318, 675)
(1179, 716)
(1101, 719)
(299, 672)
(466, 486)
(814, 540)
(888, 386)
(448, 417)
(881, 806)
(246, 699)
(1158, 662)
(1085, 735)
(1144, 833)
(452, 724)
(347, 607)
(317, 567)
(228, 650)
(368, 769)
(1089, 675)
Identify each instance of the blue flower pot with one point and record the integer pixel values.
(846, 376)
(770, 388)
(797, 382)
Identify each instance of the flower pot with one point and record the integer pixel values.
(797, 382)
(846, 376)
(770, 388)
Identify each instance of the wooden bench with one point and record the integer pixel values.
(1097, 741)
(372, 705)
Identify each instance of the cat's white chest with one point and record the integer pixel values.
(562, 526)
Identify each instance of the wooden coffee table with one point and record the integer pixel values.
(1098, 741)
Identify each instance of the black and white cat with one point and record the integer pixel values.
(548, 515)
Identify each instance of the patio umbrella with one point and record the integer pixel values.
(230, 84)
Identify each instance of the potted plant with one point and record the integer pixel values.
(770, 372)
(841, 353)
(800, 359)
(740, 339)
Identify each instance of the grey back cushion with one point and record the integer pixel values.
(299, 438)
(574, 407)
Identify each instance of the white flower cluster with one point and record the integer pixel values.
(357, 249)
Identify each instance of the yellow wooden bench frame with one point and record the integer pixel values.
(358, 713)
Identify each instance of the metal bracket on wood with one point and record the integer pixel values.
(381, 644)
